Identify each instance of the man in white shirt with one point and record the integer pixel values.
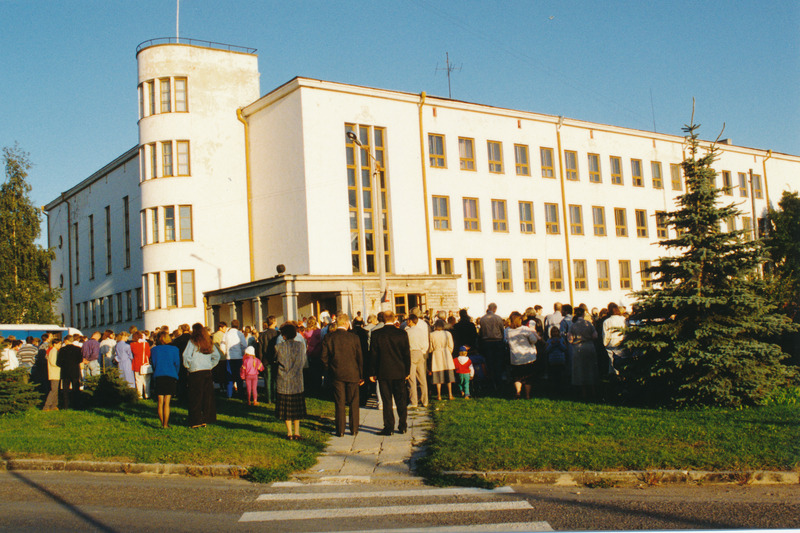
(419, 342)
(233, 346)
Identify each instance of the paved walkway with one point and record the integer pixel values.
(369, 457)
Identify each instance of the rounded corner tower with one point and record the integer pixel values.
(192, 173)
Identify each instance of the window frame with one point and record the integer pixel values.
(646, 277)
(499, 225)
(640, 218)
(616, 177)
(441, 263)
(184, 108)
(575, 226)
(466, 163)
(523, 167)
(179, 155)
(656, 174)
(548, 167)
(603, 275)
(556, 283)
(552, 224)
(470, 223)
(435, 158)
(183, 284)
(525, 223)
(624, 274)
(595, 176)
(181, 219)
(571, 165)
(530, 273)
(495, 165)
(503, 275)
(599, 230)
(662, 227)
(621, 221)
(474, 284)
(676, 176)
(727, 183)
(581, 275)
(441, 222)
(637, 179)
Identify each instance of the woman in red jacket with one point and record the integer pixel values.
(141, 364)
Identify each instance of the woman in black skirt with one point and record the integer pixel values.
(290, 405)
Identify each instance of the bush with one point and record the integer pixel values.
(109, 389)
(17, 393)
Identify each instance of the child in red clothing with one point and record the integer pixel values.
(464, 370)
(251, 366)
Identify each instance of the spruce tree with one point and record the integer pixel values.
(25, 293)
(783, 245)
(704, 333)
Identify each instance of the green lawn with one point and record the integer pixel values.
(540, 434)
(242, 435)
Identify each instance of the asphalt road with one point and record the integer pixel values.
(60, 501)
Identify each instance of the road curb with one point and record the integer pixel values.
(112, 467)
(635, 477)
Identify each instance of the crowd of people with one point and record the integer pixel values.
(403, 360)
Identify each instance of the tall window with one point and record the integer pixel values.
(730, 223)
(594, 168)
(522, 160)
(471, 216)
(441, 212)
(603, 277)
(499, 216)
(747, 225)
(466, 153)
(621, 221)
(655, 170)
(636, 173)
(757, 191)
(599, 221)
(365, 223)
(76, 238)
(436, 150)
(530, 272)
(556, 275)
(495, 154)
(166, 95)
(662, 228)
(156, 291)
(675, 175)
(119, 308)
(153, 160)
(185, 213)
(172, 289)
(126, 224)
(503, 270)
(91, 246)
(624, 274)
(551, 223)
(184, 167)
(743, 185)
(546, 155)
(181, 95)
(187, 288)
(575, 220)
(727, 183)
(154, 233)
(647, 277)
(108, 240)
(475, 275)
(166, 158)
(151, 96)
(571, 164)
(169, 223)
(110, 308)
(444, 267)
(616, 170)
(526, 217)
(129, 305)
(641, 222)
(581, 283)
(139, 302)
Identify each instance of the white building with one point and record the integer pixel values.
(481, 204)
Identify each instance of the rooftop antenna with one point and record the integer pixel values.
(653, 110)
(177, 22)
(449, 68)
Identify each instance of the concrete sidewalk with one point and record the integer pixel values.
(369, 457)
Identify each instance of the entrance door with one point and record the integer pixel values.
(403, 303)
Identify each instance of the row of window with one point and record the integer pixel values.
(494, 154)
(500, 222)
(159, 224)
(76, 232)
(530, 274)
(167, 289)
(108, 310)
(163, 95)
(164, 159)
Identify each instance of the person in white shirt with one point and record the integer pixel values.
(233, 346)
(419, 342)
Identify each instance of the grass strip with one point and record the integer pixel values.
(490, 434)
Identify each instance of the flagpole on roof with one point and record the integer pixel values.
(177, 22)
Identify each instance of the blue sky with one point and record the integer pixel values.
(68, 71)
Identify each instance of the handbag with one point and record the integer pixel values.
(146, 368)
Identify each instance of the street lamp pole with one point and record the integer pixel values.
(380, 262)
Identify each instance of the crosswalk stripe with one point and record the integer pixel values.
(464, 491)
(350, 512)
(497, 527)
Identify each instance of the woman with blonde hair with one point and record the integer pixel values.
(521, 341)
(199, 357)
(443, 370)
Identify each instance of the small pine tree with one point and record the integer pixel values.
(704, 333)
(17, 393)
(25, 293)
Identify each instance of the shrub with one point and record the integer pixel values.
(17, 393)
(109, 389)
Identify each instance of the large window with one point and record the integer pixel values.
(616, 170)
(499, 216)
(551, 223)
(641, 223)
(655, 170)
(522, 160)
(185, 213)
(636, 173)
(556, 275)
(503, 270)
(169, 223)
(575, 220)
(172, 95)
(181, 95)
(530, 272)
(594, 168)
(471, 215)
(495, 154)
(441, 212)
(727, 183)
(624, 274)
(580, 280)
(621, 221)
(172, 289)
(187, 288)
(675, 177)
(166, 158)
(436, 150)
(603, 277)
(546, 156)
(184, 168)
(475, 275)
(599, 221)
(444, 267)
(156, 291)
(743, 185)
(758, 192)
(661, 225)
(466, 153)
(647, 277)
(526, 217)
(166, 95)
(154, 233)
(571, 164)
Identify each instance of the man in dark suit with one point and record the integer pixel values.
(69, 359)
(342, 358)
(390, 361)
(267, 340)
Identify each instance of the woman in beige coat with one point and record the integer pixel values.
(54, 375)
(442, 368)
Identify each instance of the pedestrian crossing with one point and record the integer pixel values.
(399, 510)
